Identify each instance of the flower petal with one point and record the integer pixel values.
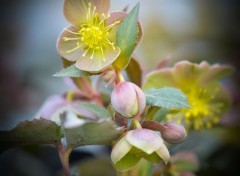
(75, 11)
(159, 79)
(121, 148)
(163, 153)
(144, 139)
(51, 105)
(154, 157)
(140, 95)
(127, 162)
(98, 62)
(65, 46)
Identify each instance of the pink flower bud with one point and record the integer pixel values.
(128, 99)
(174, 133)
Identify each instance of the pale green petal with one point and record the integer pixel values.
(64, 47)
(121, 148)
(159, 79)
(98, 62)
(163, 153)
(221, 101)
(127, 162)
(186, 73)
(75, 11)
(154, 157)
(215, 73)
(144, 139)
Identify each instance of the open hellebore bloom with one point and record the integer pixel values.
(128, 99)
(201, 83)
(137, 144)
(90, 41)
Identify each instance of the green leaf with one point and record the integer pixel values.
(92, 133)
(95, 109)
(127, 36)
(72, 71)
(134, 72)
(37, 131)
(166, 98)
(160, 115)
(156, 113)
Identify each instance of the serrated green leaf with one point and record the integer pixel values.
(95, 109)
(72, 71)
(166, 98)
(127, 36)
(92, 133)
(37, 131)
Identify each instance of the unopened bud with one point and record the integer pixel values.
(128, 99)
(174, 133)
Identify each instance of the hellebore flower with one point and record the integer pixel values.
(137, 144)
(90, 41)
(201, 84)
(128, 99)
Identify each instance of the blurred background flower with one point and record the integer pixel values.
(185, 29)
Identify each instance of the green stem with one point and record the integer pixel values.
(135, 123)
(119, 78)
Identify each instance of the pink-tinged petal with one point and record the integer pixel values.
(99, 61)
(51, 105)
(69, 82)
(102, 6)
(163, 153)
(76, 11)
(144, 139)
(121, 148)
(65, 47)
(115, 16)
(141, 98)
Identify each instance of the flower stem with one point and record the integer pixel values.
(96, 97)
(135, 123)
(64, 157)
(119, 78)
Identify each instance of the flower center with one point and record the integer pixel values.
(202, 113)
(198, 102)
(93, 36)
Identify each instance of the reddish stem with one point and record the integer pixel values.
(96, 97)
(64, 157)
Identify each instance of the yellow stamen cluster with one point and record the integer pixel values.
(201, 114)
(93, 35)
